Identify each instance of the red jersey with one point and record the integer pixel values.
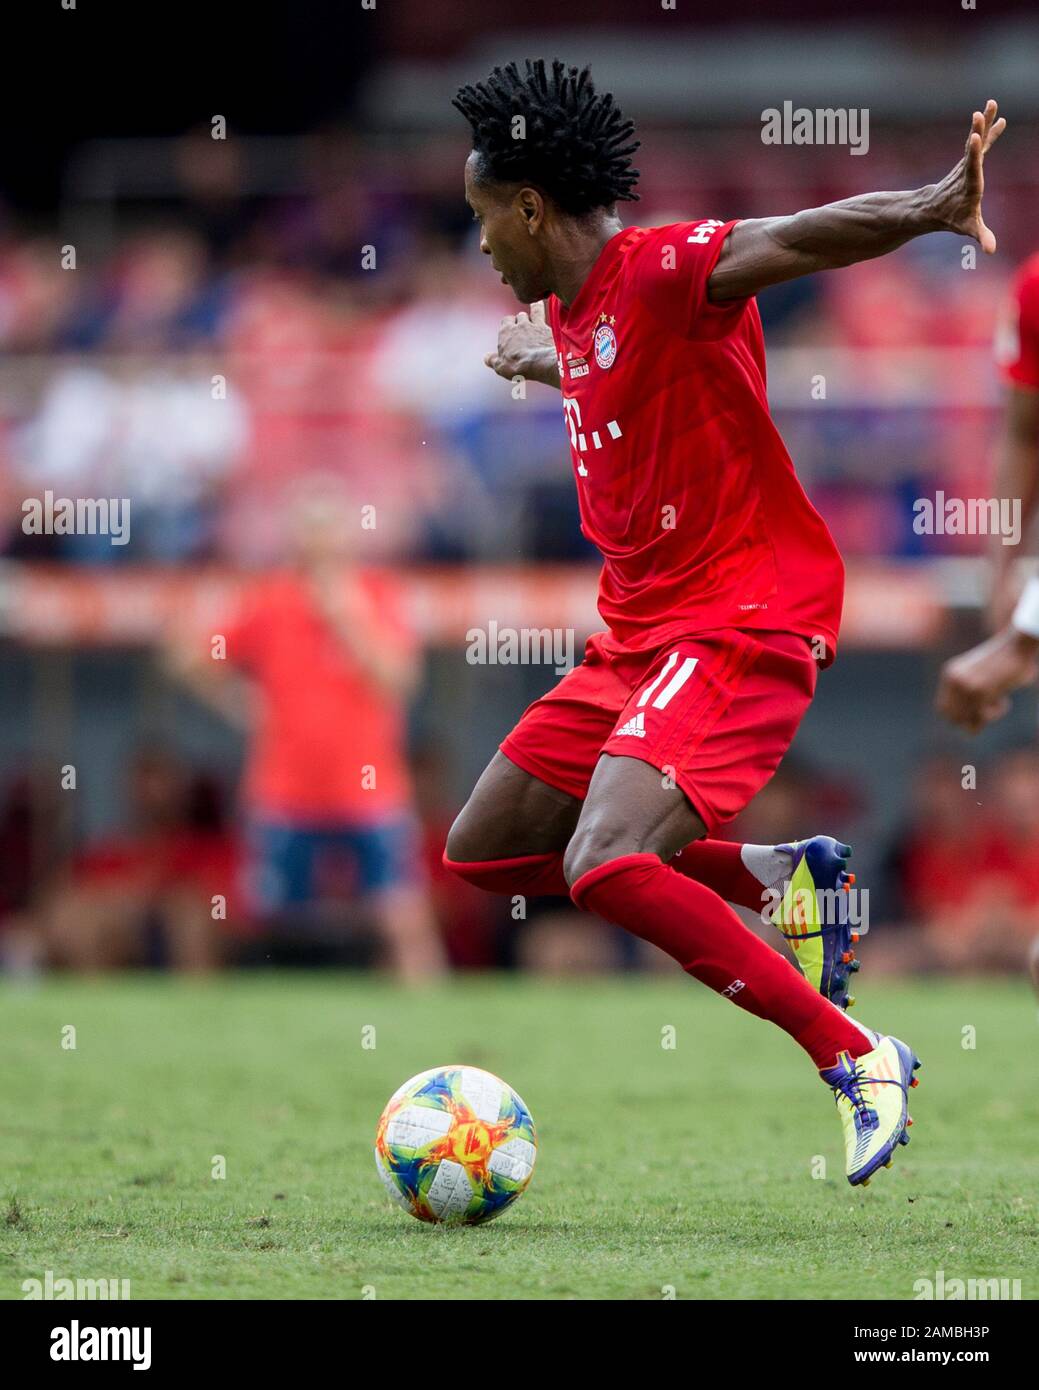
(324, 720)
(684, 483)
(1017, 346)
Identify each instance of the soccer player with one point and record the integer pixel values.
(976, 686)
(721, 589)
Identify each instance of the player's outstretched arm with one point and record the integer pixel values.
(525, 348)
(768, 250)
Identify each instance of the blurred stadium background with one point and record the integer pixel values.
(246, 261)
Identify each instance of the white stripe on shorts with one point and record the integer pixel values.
(668, 666)
(676, 682)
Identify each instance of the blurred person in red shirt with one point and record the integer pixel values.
(327, 649)
(975, 686)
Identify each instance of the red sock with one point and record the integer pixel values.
(691, 923)
(719, 864)
(716, 863)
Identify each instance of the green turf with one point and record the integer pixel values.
(685, 1169)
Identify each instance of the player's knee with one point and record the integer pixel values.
(464, 840)
(592, 846)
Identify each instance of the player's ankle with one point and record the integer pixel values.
(770, 864)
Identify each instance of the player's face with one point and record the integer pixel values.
(507, 235)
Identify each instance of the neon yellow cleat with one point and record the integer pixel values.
(814, 916)
(870, 1092)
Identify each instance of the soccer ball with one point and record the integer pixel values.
(455, 1144)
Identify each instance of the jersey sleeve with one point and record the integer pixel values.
(1017, 343)
(670, 269)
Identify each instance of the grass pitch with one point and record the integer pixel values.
(684, 1171)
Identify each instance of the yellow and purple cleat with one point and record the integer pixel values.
(871, 1093)
(815, 917)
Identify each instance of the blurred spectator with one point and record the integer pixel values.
(158, 892)
(968, 866)
(327, 794)
(154, 435)
(338, 362)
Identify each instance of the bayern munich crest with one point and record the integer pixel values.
(605, 346)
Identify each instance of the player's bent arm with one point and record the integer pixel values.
(356, 624)
(228, 694)
(768, 250)
(526, 348)
(394, 671)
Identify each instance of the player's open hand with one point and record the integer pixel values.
(975, 686)
(525, 347)
(957, 199)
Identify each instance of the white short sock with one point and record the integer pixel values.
(768, 864)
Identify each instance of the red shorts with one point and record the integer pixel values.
(716, 712)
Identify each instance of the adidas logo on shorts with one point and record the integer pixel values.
(635, 727)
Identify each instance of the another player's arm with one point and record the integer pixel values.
(769, 250)
(975, 687)
(526, 348)
(1017, 477)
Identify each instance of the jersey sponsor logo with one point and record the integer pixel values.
(634, 728)
(605, 346)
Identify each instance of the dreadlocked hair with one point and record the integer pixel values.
(576, 144)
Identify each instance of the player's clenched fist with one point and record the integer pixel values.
(525, 348)
(975, 686)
